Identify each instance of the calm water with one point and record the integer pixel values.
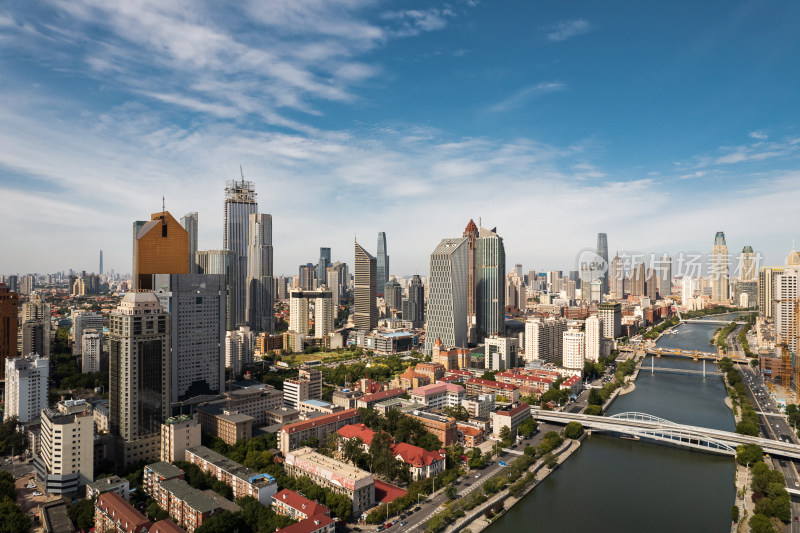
(613, 485)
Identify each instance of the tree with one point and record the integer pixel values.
(760, 524)
(451, 492)
(14, 520)
(593, 410)
(550, 460)
(459, 413)
(573, 430)
(594, 397)
(82, 513)
(7, 489)
(429, 442)
(11, 441)
(527, 427)
(154, 512)
(352, 450)
(748, 454)
(735, 513)
(505, 435)
(747, 427)
(381, 456)
(224, 522)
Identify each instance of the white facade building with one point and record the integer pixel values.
(447, 295)
(594, 338)
(66, 454)
(500, 353)
(92, 345)
(26, 387)
(574, 346)
(788, 285)
(239, 346)
(323, 311)
(543, 339)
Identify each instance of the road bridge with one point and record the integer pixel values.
(645, 426)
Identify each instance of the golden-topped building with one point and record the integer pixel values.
(160, 246)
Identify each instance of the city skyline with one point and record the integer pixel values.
(111, 99)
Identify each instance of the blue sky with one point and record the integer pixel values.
(658, 123)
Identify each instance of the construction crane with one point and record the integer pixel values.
(786, 354)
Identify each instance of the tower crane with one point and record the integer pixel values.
(786, 354)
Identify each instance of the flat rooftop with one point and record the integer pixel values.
(230, 466)
(332, 470)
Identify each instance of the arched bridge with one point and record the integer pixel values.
(645, 426)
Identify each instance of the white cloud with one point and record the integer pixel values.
(758, 134)
(522, 96)
(567, 29)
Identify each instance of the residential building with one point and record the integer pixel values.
(544, 339)
(9, 318)
(315, 524)
(92, 346)
(189, 222)
(112, 514)
(768, 289)
(442, 427)
(616, 277)
(334, 475)
(490, 264)
(369, 400)
(139, 375)
(26, 387)
(189, 507)
(196, 305)
(290, 436)
(309, 407)
(239, 349)
(243, 481)
(160, 246)
(510, 418)
(240, 203)
(503, 392)
(80, 323)
(594, 338)
(296, 506)
(788, 293)
(34, 337)
(178, 434)
(155, 474)
(65, 460)
(447, 295)
(112, 483)
(439, 395)
(469, 435)
(527, 382)
(226, 423)
(479, 406)
(500, 353)
(720, 262)
(611, 316)
(574, 343)
(364, 292)
(259, 305)
(299, 300)
(382, 263)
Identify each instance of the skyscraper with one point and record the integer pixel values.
(161, 246)
(307, 274)
(574, 346)
(382, 272)
(415, 311)
(220, 262)
(83, 321)
(364, 294)
(768, 289)
(638, 280)
(240, 203)
(719, 269)
(322, 265)
(260, 313)
(471, 234)
(393, 295)
(9, 317)
(610, 315)
(196, 304)
(663, 268)
(139, 376)
(602, 251)
(101, 263)
(616, 277)
(189, 222)
(447, 295)
(594, 335)
(544, 339)
(26, 387)
(37, 310)
(490, 260)
(748, 268)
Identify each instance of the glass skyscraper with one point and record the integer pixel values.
(240, 203)
(382, 275)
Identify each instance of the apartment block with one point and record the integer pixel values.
(290, 436)
(243, 481)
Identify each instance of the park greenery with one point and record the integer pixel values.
(381, 370)
(722, 335)
(420, 489)
(81, 512)
(11, 440)
(769, 492)
(748, 425)
(749, 454)
(253, 518)
(573, 430)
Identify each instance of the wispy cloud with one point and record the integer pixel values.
(567, 29)
(522, 96)
(414, 21)
(758, 134)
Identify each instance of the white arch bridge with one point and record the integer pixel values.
(645, 426)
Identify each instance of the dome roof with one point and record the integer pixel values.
(793, 258)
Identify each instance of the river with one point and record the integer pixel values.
(612, 485)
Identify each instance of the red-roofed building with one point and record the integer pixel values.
(360, 431)
(410, 379)
(165, 526)
(423, 463)
(434, 371)
(315, 524)
(367, 386)
(476, 386)
(451, 359)
(439, 395)
(449, 379)
(468, 435)
(510, 417)
(460, 375)
(297, 507)
(386, 493)
(573, 383)
(539, 384)
(292, 435)
(113, 514)
(369, 401)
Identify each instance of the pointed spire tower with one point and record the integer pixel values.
(471, 234)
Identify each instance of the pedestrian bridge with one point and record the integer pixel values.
(637, 425)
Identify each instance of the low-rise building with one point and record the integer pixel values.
(291, 435)
(112, 514)
(346, 398)
(254, 401)
(401, 404)
(100, 416)
(282, 416)
(229, 425)
(443, 427)
(189, 507)
(296, 506)
(112, 483)
(314, 524)
(469, 435)
(502, 391)
(178, 434)
(317, 406)
(337, 476)
(538, 384)
(411, 379)
(243, 481)
(460, 375)
(574, 384)
(423, 464)
(479, 406)
(439, 395)
(155, 474)
(368, 401)
(434, 371)
(356, 431)
(510, 418)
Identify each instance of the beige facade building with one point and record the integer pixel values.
(66, 453)
(178, 434)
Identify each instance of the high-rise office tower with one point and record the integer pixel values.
(9, 318)
(382, 266)
(37, 309)
(91, 341)
(307, 274)
(337, 282)
(160, 246)
(602, 251)
(447, 295)
(221, 262)
(33, 337)
(471, 234)
(13, 285)
(239, 348)
(594, 336)
(748, 268)
(139, 376)
(28, 284)
(767, 289)
(66, 453)
(638, 280)
(415, 312)
(240, 203)
(322, 266)
(364, 293)
(393, 294)
(26, 387)
(719, 269)
(260, 312)
(610, 315)
(616, 275)
(101, 263)
(196, 304)
(81, 322)
(490, 260)
(189, 221)
(663, 268)
(652, 284)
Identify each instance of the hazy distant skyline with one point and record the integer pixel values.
(656, 124)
